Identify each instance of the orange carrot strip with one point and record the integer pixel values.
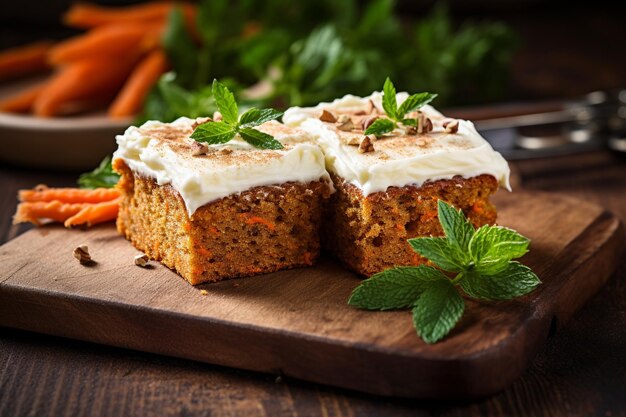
(130, 99)
(93, 214)
(84, 15)
(259, 220)
(112, 40)
(23, 101)
(24, 60)
(69, 195)
(80, 81)
(35, 212)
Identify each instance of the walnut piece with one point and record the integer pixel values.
(451, 126)
(367, 121)
(353, 140)
(82, 254)
(367, 144)
(217, 116)
(200, 121)
(328, 117)
(141, 260)
(344, 123)
(424, 124)
(199, 148)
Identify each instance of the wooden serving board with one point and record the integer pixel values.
(296, 323)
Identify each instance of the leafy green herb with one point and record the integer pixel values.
(101, 177)
(309, 51)
(231, 124)
(481, 261)
(397, 114)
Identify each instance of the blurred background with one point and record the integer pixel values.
(564, 48)
(485, 59)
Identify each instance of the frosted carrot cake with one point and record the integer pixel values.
(388, 186)
(223, 210)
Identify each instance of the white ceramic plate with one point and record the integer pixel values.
(63, 143)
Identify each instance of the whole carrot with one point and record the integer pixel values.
(112, 40)
(22, 102)
(130, 99)
(24, 60)
(36, 212)
(85, 15)
(68, 195)
(93, 214)
(80, 81)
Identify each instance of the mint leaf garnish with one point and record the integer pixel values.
(256, 117)
(390, 105)
(214, 132)
(101, 177)
(259, 139)
(225, 101)
(494, 246)
(457, 228)
(397, 114)
(231, 124)
(437, 310)
(439, 251)
(414, 102)
(394, 288)
(380, 127)
(513, 281)
(480, 262)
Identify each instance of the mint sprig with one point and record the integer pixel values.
(231, 124)
(479, 262)
(397, 114)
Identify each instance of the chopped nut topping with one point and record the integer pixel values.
(411, 130)
(424, 124)
(451, 126)
(141, 260)
(199, 148)
(367, 144)
(200, 121)
(226, 151)
(367, 121)
(371, 107)
(344, 123)
(82, 254)
(217, 116)
(328, 117)
(353, 140)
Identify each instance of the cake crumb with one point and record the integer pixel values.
(204, 292)
(141, 260)
(82, 254)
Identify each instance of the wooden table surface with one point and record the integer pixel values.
(580, 372)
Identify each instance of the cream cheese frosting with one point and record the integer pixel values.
(162, 151)
(399, 159)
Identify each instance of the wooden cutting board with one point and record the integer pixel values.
(296, 323)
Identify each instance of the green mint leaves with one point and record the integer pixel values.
(397, 114)
(480, 261)
(101, 177)
(231, 124)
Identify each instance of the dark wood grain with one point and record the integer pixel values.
(296, 322)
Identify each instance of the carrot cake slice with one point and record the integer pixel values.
(388, 187)
(221, 211)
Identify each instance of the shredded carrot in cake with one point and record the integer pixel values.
(260, 220)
